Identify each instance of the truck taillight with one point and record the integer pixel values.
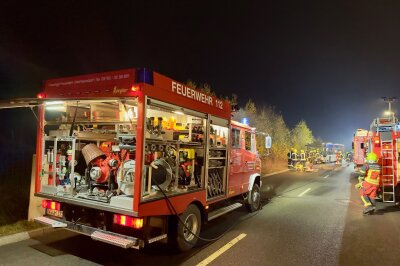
(52, 205)
(129, 221)
(41, 95)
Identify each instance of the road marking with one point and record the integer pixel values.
(275, 173)
(304, 192)
(326, 176)
(219, 252)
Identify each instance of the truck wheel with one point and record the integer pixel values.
(182, 237)
(254, 199)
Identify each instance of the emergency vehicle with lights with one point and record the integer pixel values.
(384, 141)
(132, 157)
(330, 150)
(360, 147)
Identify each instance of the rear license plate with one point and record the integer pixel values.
(55, 213)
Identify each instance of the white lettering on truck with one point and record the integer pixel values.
(195, 95)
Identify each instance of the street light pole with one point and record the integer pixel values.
(389, 100)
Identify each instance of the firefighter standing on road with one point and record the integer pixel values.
(294, 158)
(303, 158)
(289, 155)
(339, 158)
(369, 182)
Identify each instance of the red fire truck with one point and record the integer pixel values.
(132, 157)
(360, 145)
(385, 142)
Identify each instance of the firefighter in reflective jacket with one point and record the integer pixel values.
(289, 155)
(369, 182)
(303, 158)
(294, 158)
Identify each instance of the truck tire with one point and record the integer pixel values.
(254, 198)
(182, 237)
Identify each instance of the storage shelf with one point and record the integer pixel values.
(94, 138)
(216, 158)
(215, 167)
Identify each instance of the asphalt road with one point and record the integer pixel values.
(307, 219)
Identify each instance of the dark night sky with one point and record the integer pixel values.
(322, 61)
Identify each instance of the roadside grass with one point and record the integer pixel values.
(270, 165)
(18, 227)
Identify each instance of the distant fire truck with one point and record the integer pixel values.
(131, 157)
(385, 142)
(360, 146)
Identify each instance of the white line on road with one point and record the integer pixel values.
(304, 192)
(217, 253)
(326, 176)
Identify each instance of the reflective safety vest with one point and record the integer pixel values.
(373, 174)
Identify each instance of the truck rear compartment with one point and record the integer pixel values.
(120, 229)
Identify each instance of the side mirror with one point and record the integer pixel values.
(268, 142)
(235, 108)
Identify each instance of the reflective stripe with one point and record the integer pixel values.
(373, 177)
(365, 202)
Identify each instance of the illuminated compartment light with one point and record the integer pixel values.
(56, 108)
(129, 221)
(54, 103)
(178, 112)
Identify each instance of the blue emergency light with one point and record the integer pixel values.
(245, 121)
(144, 75)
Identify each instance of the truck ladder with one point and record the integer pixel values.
(387, 171)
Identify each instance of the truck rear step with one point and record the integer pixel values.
(221, 211)
(50, 222)
(113, 239)
(96, 234)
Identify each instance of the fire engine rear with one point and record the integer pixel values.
(360, 146)
(131, 157)
(385, 142)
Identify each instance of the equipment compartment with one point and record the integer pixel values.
(174, 150)
(89, 150)
(217, 159)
